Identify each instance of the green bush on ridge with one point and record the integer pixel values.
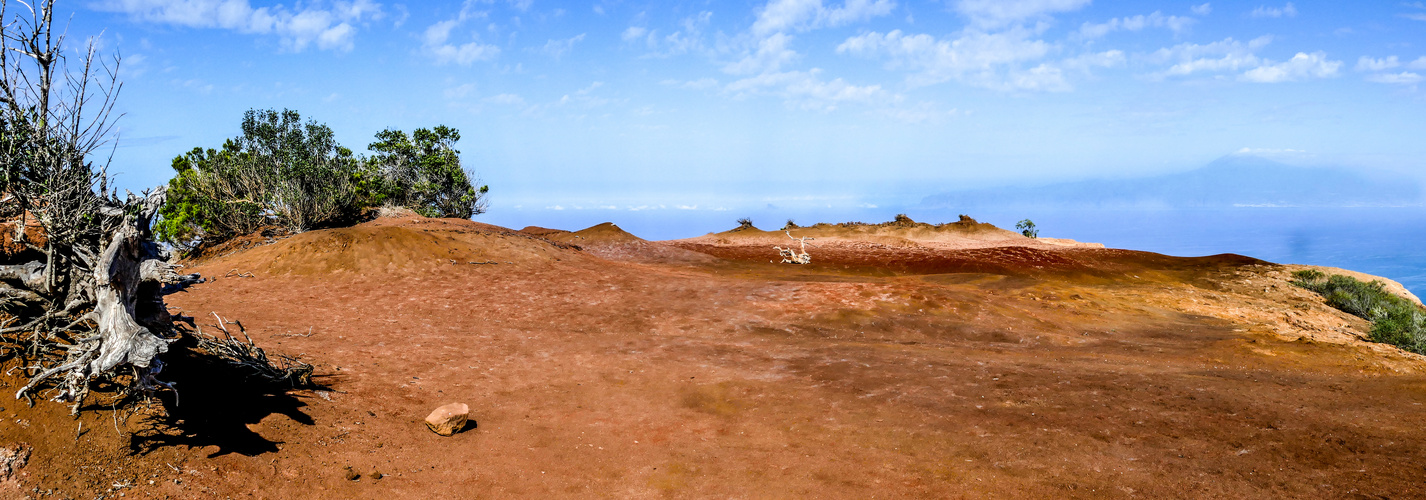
(285, 172)
(1395, 320)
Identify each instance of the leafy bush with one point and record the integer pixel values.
(423, 172)
(1395, 320)
(289, 173)
(280, 171)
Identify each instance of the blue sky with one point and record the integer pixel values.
(624, 106)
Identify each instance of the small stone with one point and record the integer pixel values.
(350, 474)
(448, 419)
(376, 475)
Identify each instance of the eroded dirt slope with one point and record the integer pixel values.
(878, 371)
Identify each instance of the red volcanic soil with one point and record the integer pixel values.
(608, 366)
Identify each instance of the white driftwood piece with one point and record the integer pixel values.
(130, 277)
(791, 256)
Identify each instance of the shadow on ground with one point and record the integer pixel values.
(214, 405)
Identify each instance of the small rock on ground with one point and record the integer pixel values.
(448, 419)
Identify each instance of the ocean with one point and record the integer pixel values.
(1389, 242)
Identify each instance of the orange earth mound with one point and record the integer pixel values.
(903, 233)
(878, 370)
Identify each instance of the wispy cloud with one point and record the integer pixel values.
(804, 89)
(982, 59)
(1157, 19)
(297, 28)
(1262, 12)
(780, 16)
(1402, 78)
(993, 14)
(1370, 64)
(1301, 67)
(558, 48)
(1226, 55)
(689, 38)
(436, 42)
(771, 53)
(1201, 10)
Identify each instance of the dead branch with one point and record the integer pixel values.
(790, 256)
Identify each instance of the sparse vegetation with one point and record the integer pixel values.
(791, 224)
(285, 172)
(1395, 320)
(745, 223)
(1027, 228)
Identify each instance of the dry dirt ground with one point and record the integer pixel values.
(606, 366)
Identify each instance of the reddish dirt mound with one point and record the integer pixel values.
(608, 241)
(902, 233)
(603, 233)
(390, 244)
(876, 371)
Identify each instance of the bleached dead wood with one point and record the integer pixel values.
(82, 280)
(790, 256)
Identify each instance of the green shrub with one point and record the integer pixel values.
(280, 171)
(423, 172)
(289, 173)
(1395, 320)
(1026, 227)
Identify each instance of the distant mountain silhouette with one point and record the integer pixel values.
(1235, 180)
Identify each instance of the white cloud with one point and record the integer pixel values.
(1136, 23)
(779, 16)
(1370, 64)
(1226, 55)
(982, 59)
(771, 54)
(804, 89)
(436, 42)
(1274, 153)
(1301, 66)
(1419, 63)
(1274, 12)
(1106, 59)
(459, 92)
(634, 33)
(134, 65)
(686, 40)
(1402, 78)
(989, 14)
(328, 29)
(1201, 10)
(1043, 78)
(558, 48)
(699, 84)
